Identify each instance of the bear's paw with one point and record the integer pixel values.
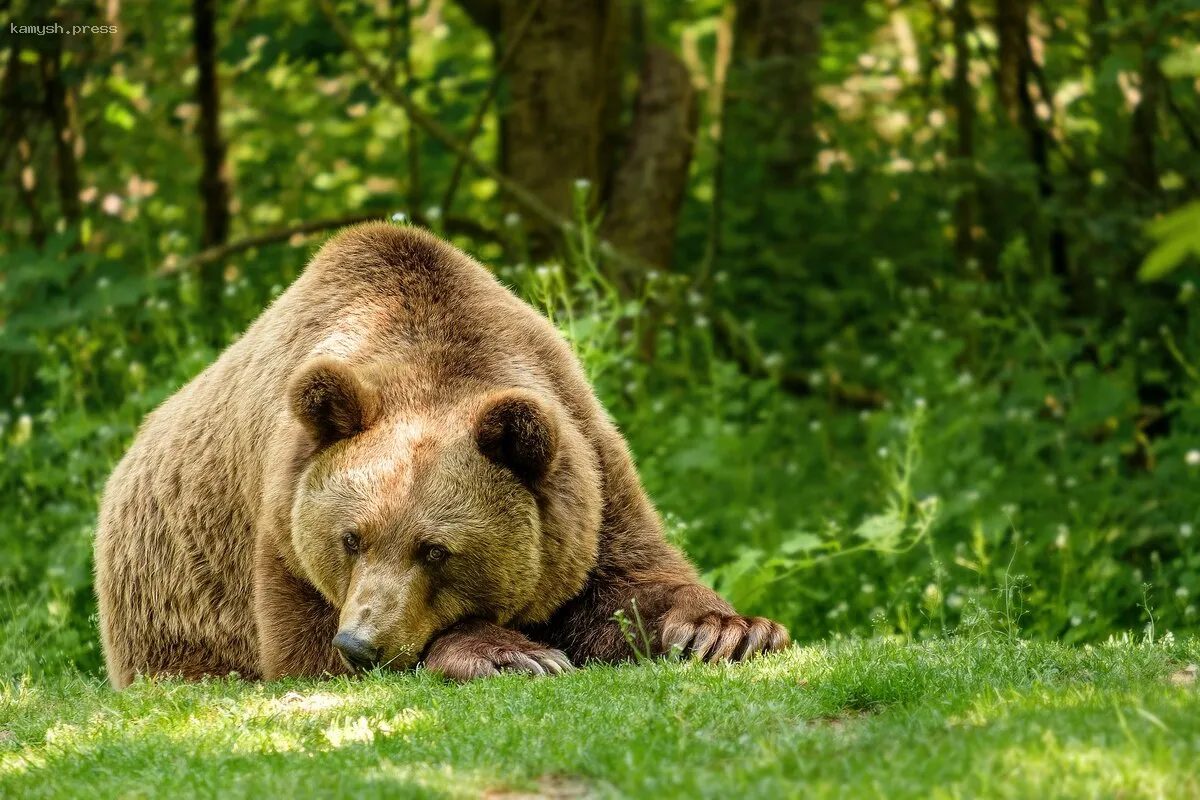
(484, 650)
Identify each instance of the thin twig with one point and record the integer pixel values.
(485, 103)
(211, 254)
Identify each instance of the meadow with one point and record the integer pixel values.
(894, 302)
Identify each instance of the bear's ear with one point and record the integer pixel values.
(330, 400)
(518, 432)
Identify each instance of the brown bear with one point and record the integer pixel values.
(399, 462)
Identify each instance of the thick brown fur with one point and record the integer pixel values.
(401, 450)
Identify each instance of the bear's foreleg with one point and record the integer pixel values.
(621, 616)
(296, 625)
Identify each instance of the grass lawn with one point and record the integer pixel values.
(956, 718)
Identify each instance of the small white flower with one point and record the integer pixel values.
(433, 213)
(919, 402)
(400, 217)
(882, 452)
(512, 219)
(1185, 530)
(1193, 458)
(701, 321)
(1060, 541)
(1181, 592)
(815, 425)
(582, 184)
(1076, 621)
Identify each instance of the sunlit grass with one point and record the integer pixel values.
(957, 717)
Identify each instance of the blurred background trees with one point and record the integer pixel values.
(861, 279)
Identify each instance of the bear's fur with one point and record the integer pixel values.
(402, 454)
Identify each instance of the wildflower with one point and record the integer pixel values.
(400, 217)
(868, 588)
(955, 601)
(815, 425)
(1060, 541)
(512, 219)
(582, 184)
(1193, 458)
(1076, 621)
(1185, 530)
(433, 213)
(24, 430)
(919, 403)
(111, 204)
(701, 321)
(882, 452)
(1181, 593)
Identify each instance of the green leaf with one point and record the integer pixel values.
(802, 543)
(881, 530)
(1179, 236)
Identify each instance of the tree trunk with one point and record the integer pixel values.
(1144, 131)
(964, 108)
(1011, 29)
(1016, 15)
(767, 126)
(54, 93)
(561, 122)
(649, 186)
(213, 187)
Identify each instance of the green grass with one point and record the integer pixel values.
(957, 717)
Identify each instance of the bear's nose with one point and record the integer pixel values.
(358, 653)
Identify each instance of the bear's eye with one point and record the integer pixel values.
(435, 554)
(351, 542)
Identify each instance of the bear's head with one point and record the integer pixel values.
(412, 513)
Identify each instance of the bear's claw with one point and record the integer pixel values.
(724, 637)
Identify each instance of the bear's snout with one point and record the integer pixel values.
(358, 653)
